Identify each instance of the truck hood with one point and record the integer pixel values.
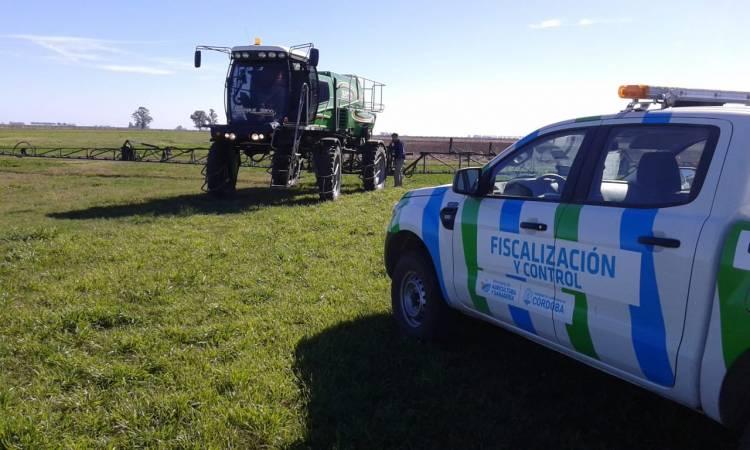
(426, 192)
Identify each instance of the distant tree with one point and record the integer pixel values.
(213, 118)
(180, 128)
(142, 117)
(200, 119)
(130, 125)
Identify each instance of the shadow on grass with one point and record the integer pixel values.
(245, 199)
(370, 387)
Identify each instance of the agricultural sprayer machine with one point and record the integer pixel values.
(279, 106)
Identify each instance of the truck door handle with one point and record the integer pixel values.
(448, 215)
(659, 241)
(536, 226)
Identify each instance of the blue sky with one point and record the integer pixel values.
(451, 68)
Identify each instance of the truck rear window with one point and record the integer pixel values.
(652, 165)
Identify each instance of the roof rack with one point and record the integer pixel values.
(643, 96)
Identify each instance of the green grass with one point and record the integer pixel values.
(107, 138)
(136, 312)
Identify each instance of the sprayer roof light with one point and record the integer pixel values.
(245, 55)
(236, 55)
(230, 136)
(254, 136)
(260, 136)
(282, 55)
(272, 55)
(674, 96)
(261, 54)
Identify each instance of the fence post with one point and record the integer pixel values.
(450, 146)
(489, 150)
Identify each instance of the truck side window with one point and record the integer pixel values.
(652, 165)
(540, 169)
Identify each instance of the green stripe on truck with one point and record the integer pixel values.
(396, 221)
(588, 119)
(734, 287)
(566, 228)
(469, 217)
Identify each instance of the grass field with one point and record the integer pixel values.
(136, 312)
(106, 137)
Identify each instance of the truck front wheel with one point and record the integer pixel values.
(222, 167)
(418, 305)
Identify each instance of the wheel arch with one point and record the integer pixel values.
(401, 242)
(734, 398)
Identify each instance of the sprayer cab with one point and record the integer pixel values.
(263, 89)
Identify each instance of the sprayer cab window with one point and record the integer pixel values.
(259, 92)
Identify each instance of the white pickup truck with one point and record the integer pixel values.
(622, 241)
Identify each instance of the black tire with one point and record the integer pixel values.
(418, 305)
(222, 167)
(285, 169)
(328, 169)
(374, 167)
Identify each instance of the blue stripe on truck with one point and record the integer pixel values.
(431, 232)
(647, 320)
(510, 222)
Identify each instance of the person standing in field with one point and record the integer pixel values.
(398, 152)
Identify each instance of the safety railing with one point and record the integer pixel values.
(372, 94)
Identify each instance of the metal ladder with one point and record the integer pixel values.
(294, 157)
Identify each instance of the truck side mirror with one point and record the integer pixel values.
(314, 57)
(466, 181)
(197, 58)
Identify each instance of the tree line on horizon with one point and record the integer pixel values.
(142, 118)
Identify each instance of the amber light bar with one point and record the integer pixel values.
(674, 96)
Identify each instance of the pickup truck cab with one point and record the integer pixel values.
(622, 241)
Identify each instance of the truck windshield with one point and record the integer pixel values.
(258, 93)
